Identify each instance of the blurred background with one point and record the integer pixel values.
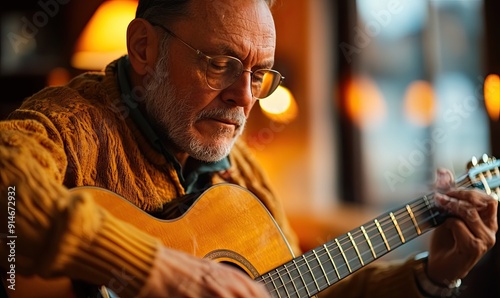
(377, 95)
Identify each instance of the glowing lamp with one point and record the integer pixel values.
(419, 103)
(364, 102)
(280, 106)
(492, 96)
(104, 37)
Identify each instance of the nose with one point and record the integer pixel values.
(240, 92)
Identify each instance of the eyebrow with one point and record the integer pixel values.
(229, 51)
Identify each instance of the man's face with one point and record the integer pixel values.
(200, 121)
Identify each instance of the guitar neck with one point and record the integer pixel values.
(316, 270)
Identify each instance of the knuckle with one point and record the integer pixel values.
(490, 241)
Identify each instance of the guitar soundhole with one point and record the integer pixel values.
(233, 265)
(233, 259)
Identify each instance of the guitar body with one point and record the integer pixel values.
(226, 224)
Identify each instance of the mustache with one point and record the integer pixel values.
(235, 116)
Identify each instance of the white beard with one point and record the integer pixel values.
(175, 119)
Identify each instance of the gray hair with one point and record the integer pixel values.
(161, 10)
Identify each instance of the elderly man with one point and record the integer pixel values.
(161, 123)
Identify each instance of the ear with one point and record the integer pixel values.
(142, 45)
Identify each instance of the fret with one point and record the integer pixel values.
(274, 284)
(382, 234)
(303, 281)
(333, 262)
(339, 260)
(395, 222)
(328, 266)
(361, 246)
(287, 281)
(410, 212)
(392, 234)
(429, 208)
(406, 224)
(268, 281)
(322, 268)
(356, 248)
(317, 272)
(284, 284)
(369, 242)
(425, 213)
(376, 239)
(343, 255)
(310, 270)
(296, 290)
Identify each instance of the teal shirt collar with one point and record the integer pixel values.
(196, 179)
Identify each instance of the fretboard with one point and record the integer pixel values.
(316, 270)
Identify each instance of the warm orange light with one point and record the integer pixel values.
(280, 106)
(419, 103)
(104, 37)
(364, 102)
(58, 76)
(492, 96)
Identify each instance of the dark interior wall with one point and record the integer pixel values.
(47, 31)
(492, 60)
(350, 183)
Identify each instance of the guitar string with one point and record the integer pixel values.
(388, 221)
(384, 222)
(304, 262)
(355, 235)
(331, 272)
(317, 258)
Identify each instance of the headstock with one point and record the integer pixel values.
(485, 174)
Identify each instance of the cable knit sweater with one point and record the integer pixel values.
(79, 134)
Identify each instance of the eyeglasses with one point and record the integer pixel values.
(222, 71)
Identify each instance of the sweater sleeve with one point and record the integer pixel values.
(58, 232)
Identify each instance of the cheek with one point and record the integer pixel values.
(191, 89)
(186, 71)
(191, 102)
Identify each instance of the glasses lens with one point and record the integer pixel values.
(265, 82)
(222, 71)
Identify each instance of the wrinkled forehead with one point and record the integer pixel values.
(238, 21)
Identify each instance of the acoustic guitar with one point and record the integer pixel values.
(228, 224)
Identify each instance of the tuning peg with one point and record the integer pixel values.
(472, 163)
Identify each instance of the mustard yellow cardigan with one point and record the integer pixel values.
(80, 134)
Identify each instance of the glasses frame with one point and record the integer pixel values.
(208, 58)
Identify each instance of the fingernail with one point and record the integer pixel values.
(441, 199)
